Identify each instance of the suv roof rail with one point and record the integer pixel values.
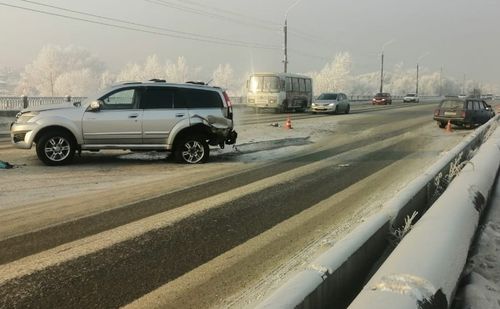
(157, 80)
(128, 83)
(196, 82)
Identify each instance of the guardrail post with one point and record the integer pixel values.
(25, 101)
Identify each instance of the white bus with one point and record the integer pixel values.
(279, 91)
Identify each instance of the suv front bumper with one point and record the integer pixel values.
(21, 135)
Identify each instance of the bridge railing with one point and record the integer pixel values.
(18, 103)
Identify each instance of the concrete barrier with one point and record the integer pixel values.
(426, 266)
(348, 264)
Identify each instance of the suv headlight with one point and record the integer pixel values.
(25, 117)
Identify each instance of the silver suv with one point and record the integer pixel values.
(182, 118)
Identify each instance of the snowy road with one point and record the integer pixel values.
(217, 231)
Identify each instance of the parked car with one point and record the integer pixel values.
(411, 97)
(182, 118)
(331, 103)
(468, 113)
(382, 98)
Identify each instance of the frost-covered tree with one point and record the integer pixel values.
(175, 72)
(76, 83)
(335, 75)
(223, 77)
(180, 72)
(55, 63)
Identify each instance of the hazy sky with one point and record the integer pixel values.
(462, 36)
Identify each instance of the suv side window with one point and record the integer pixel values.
(121, 99)
(157, 98)
(198, 98)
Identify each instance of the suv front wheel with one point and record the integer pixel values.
(192, 150)
(55, 148)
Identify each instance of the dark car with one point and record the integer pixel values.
(468, 113)
(382, 98)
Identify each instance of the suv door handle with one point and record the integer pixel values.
(179, 115)
(133, 115)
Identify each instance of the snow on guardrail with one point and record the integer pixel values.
(343, 269)
(426, 266)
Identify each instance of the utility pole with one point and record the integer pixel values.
(285, 32)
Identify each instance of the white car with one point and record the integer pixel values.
(331, 103)
(411, 97)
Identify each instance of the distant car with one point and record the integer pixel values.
(488, 97)
(382, 98)
(462, 96)
(331, 103)
(468, 113)
(411, 97)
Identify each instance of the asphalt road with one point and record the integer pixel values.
(160, 245)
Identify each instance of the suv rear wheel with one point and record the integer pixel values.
(55, 148)
(192, 150)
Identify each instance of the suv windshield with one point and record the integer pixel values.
(410, 95)
(327, 96)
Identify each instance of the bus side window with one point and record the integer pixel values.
(308, 85)
(295, 84)
(302, 85)
(288, 85)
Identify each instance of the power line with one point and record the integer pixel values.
(177, 34)
(173, 33)
(218, 16)
(258, 23)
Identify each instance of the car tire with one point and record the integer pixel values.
(441, 124)
(55, 148)
(192, 150)
(348, 109)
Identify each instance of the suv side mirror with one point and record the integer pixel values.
(95, 106)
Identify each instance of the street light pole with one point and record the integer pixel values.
(382, 73)
(416, 89)
(285, 32)
(419, 58)
(382, 65)
(285, 59)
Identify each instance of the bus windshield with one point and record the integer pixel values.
(264, 84)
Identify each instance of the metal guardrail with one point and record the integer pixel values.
(338, 275)
(432, 276)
